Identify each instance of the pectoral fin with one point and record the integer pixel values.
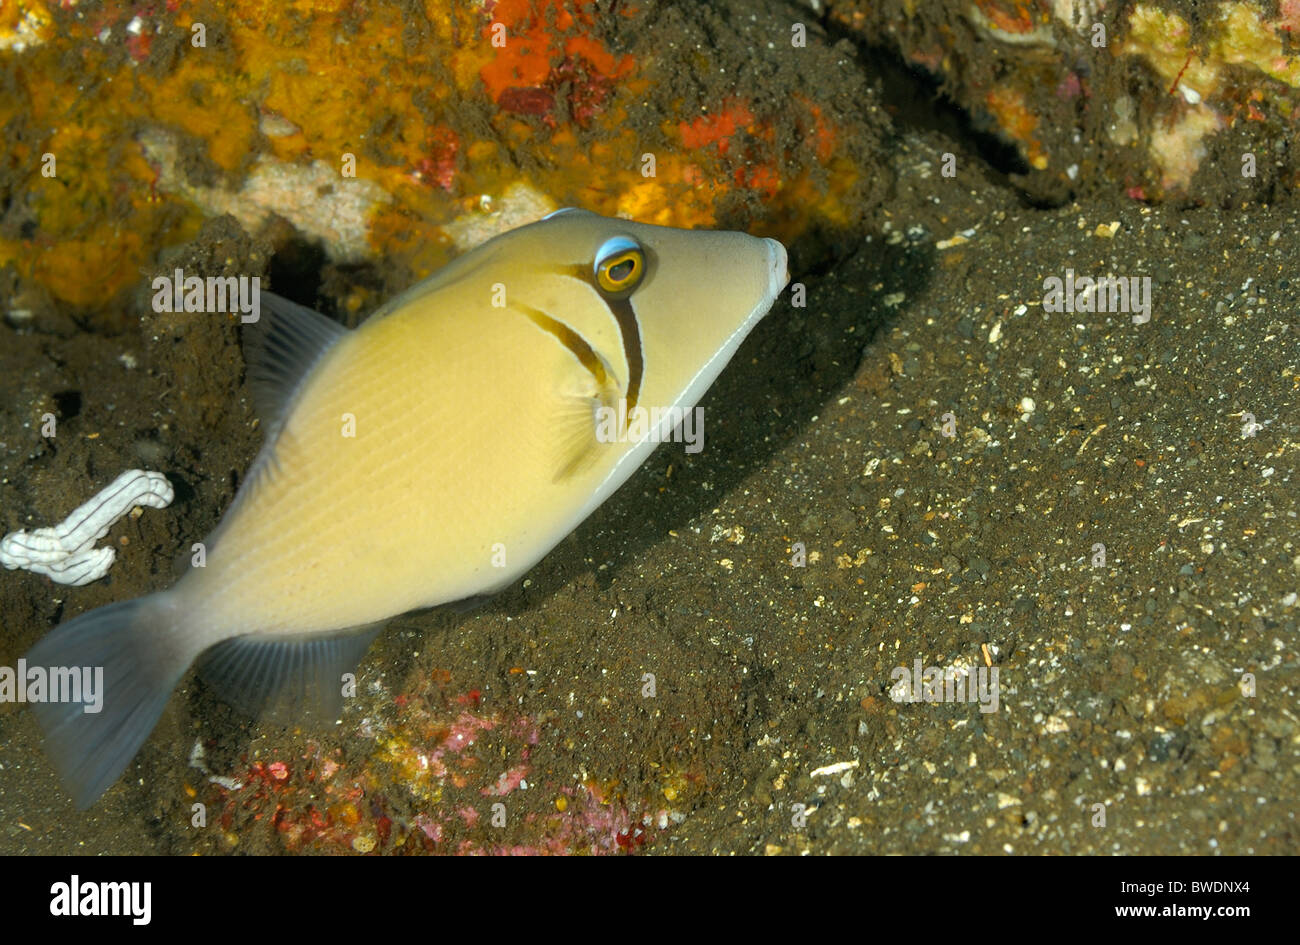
(576, 442)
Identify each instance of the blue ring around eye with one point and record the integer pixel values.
(612, 247)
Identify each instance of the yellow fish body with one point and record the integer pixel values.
(434, 454)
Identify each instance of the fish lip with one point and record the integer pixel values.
(778, 267)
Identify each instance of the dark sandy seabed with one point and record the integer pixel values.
(1119, 684)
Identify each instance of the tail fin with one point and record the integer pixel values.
(142, 655)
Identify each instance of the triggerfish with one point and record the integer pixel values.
(433, 455)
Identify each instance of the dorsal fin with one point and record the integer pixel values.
(280, 349)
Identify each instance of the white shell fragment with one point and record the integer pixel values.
(837, 768)
(65, 552)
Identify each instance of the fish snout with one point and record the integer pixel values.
(778, 267)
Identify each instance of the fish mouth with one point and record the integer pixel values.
(778, 270)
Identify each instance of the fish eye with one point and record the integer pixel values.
(620, 266)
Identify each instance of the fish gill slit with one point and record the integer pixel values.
(576, 344)
(629, 328)
(625, 315)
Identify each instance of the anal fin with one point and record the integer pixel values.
(286, 676)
